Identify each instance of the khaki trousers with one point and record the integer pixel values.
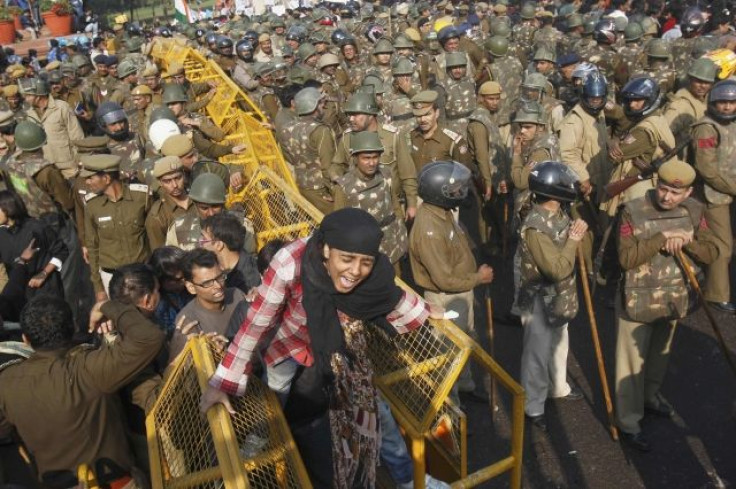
(717, 284)
(642, 354)
(462, 303)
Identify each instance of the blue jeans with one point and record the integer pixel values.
(279, 378)
(393, 448)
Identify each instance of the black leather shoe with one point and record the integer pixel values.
(537, 421)
(636, 441)
(728, 307)
(574, 395)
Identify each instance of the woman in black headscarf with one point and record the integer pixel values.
(322, 294)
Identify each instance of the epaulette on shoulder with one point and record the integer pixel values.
(139, 187)
(89, 196)
(452, 134)
(391, 128)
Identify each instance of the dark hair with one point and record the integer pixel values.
(422, 21)
(267, 253)
(46, 321)
(286, 94)
(198, 257)
(130, 283)
(12, 205)
(166, 261)
(227, 228)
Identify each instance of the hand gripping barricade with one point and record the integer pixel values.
(415, 372)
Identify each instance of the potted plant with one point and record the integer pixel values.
(15, 12)
(7, 26)
(57, 16)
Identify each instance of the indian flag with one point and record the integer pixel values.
(184, 15)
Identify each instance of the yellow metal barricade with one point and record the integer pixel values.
(415, 371)
(250, 449)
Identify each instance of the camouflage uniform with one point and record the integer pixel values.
(379, 197)
(585, 47)
(266, 99)
(186, 230)
(663, 74)
(508, 72)
(460, 102)
(544, 146)
(681, 57)
(655, 294)
(523, 36)
(131, 154)
(633, 56)
(714, 157)
(39, 184)
(548, 36)
(334, 102)
(611, 64)
(547, 301)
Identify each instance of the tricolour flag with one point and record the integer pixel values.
(184, 15)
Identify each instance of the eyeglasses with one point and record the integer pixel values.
(202, 241)
(220, 279)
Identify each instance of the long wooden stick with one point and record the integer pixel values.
(687, 266)
(505, 230)
(492, 351)
(597, 344)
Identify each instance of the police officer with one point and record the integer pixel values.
(128, 76)
(714, 148)
(397, 103)
(644, 141)
(688, 104)
(440, 253)
(458, 91)
(113, 121)
(312, 145)
(174, 200)
(140, 120)
(114, 220)
(653, 228)
(548, 291)
(505, 69)
(658, 66)
(371, 187)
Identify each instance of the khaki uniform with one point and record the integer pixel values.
(682, 112)
(548, 301)
(655, 295)
(378, 196)
(395, 157)
(444, 266)
(644, 141)
(159, 219)
(312, 147)
(714, 157)
(115, 233)
(79, 420)
(444, 144)
(62, 127)
(186, 230)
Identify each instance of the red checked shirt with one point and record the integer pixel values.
(279, 304)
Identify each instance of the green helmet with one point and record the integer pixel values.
(528, 11)
(633, 32)
(306, 51)
(500, 28)
(134, 44)
(29, 136)
(649, 26)
(402, 67)
(454, 59)
(498, 46)
(208, 188)
(545, 54)
(658, 49)
(374, 82)
(589, 27)
(191, 32)
(126, 68)
(307, 100)
(277, 22)
(535, 81)
(704, 69)
(162, 112)
(365, 141)
(34, 86)
(68, 67)
(54, 77)
(362, 103)
(80, 61)
(531, 113)
(574, 20)
(174, 93)
(213, 168)
(383, 46)
(403, 42)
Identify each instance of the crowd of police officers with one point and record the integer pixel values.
(531, 131)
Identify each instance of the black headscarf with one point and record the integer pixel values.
(354, 231)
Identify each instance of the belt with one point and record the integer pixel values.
(108, 270)
(455, 117)
(387, 220)
(403, 117)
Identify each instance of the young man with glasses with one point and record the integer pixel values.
(213, 304)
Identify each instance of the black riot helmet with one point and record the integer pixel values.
(444, 183)
(692, 22)
(109, 113)
(644, 88)
(224, 45)
(594, 86)
(244, 50)
(251, 36)
(211, 40)
(553, 180)
(339, 36)
(605, 31)
(724, 90)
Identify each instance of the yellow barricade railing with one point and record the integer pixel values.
(251, 449)
(415, 371)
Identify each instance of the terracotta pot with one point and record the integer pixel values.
(18, 25)
(7, 32)
(59, 25)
